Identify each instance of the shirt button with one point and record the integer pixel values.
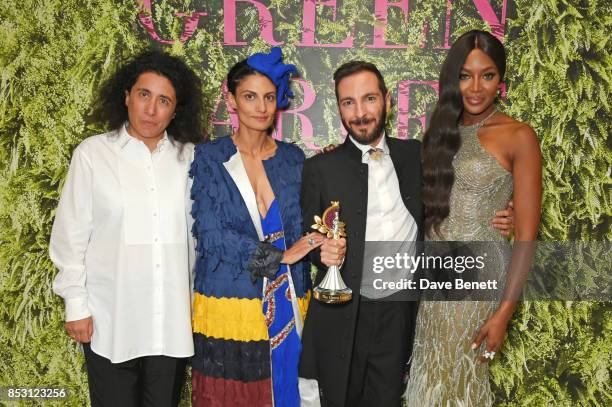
(154, 213)
(157, 265)
(155, 239)
(152, 189)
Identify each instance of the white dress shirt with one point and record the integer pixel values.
(387, 220)
(121, 240)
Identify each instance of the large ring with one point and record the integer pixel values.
(311, 241)
(489, 355)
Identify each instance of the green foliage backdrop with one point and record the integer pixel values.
(54, 54)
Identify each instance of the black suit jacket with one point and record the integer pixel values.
(340, 176)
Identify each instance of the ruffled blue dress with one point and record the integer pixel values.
(243, 357)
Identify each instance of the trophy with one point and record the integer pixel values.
(332, 289)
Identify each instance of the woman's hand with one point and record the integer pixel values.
(80, 330)
(302, 247)
(504, 220)
(493, 331)
(327, 148)
(333, 252)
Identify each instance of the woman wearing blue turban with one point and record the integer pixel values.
(251, 285)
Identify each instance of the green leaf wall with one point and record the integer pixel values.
(54, 54)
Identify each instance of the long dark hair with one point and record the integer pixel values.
(110, 110)
(442, 140)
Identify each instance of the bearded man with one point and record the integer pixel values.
(356, 353)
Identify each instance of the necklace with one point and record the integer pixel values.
(482, 122)
(477, 126)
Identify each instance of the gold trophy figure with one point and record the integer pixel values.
(332, 288)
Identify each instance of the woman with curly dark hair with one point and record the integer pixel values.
(121, 237)
(186, 124)
(474, 159)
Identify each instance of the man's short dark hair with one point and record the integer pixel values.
(353, 67)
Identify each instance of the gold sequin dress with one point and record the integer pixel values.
(444, 371)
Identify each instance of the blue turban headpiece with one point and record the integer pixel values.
(279, 73)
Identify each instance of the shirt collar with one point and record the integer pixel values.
(125, 139)
(162, 144)
(382, 144)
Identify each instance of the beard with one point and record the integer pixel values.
(363, 137)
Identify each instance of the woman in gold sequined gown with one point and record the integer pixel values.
(474, 159)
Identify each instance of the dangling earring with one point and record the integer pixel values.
(272, 131)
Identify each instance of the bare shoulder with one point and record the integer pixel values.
(514, 132)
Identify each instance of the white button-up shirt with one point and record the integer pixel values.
(388, 220)
(121, 240)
